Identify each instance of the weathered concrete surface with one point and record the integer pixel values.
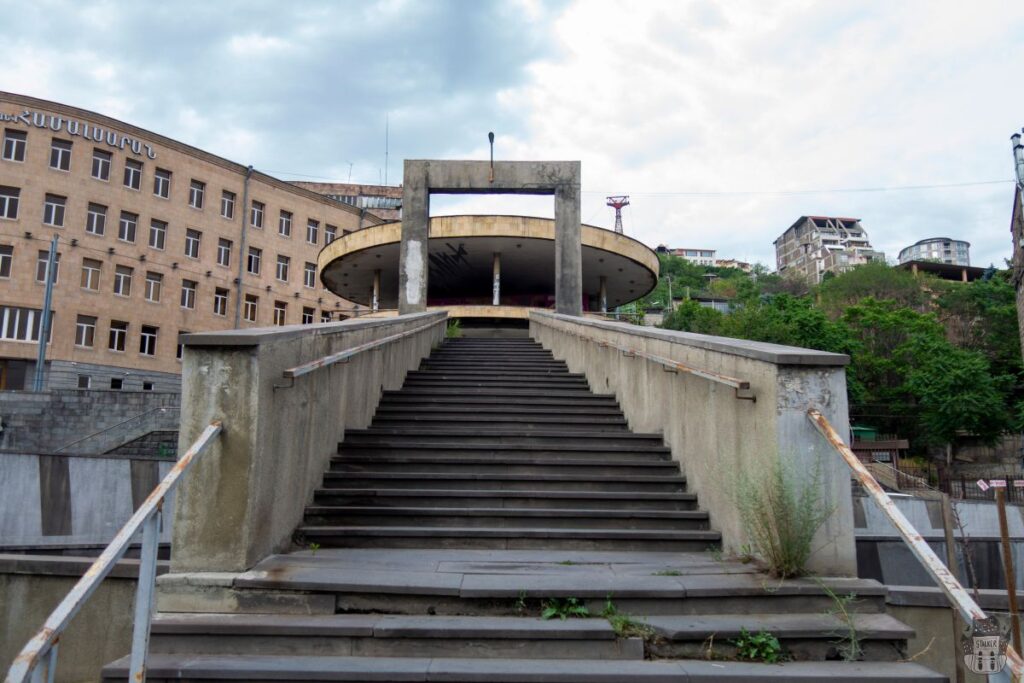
(712, 433)
(423, 177)
(31, 587)
(246, 495)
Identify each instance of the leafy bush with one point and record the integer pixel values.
(761, 646)
(454, 329)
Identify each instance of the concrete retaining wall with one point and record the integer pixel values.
(244, 498)
(713, 434)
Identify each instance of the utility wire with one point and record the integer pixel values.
(747, 193)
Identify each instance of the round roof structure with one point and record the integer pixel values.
(461, 257)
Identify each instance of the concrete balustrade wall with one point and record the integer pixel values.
(713, 434)
(244, 498)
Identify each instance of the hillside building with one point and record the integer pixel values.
(815, 245)
(938, 250)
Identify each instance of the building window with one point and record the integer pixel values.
(192, 239)
(256, 220)
(122, 281)
(147, 341)
(196, 193)
(132, 174)
(126, 227)
(325, 316)
(53, 210)
(84, 382)
(188, 293)
(253, 263)
(220, 301)
(154, 286)
(162, 183)
(85, 331)
(60, 155)
(9, 202)
(312, 231)
(284, 224)
(330, 233)
(14, 145)
(6, 260)
(179, 353)
(251, 305)
(91, 274)
(282, 267)
(19, 324)
(101, 164)
(227, 204)
(307, 315)
(223, 252)
(116, 383)
(157, 234)
(280, 313)
(118, 336)
(96, 219)
(309, 274)
(147, 386)
(41, 263)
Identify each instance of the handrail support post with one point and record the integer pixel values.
(144, 597)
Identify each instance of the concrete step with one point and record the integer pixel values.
(460, 408)
(368, 635)
(507, 393)
(567, 458)
(397, 447)
(506, 482)
(522, 399)
(422, 434)
(542, 500)
(536, 466)
(582, 420)
(484, 517)
(497, 385)
(194, 668)
(694, 540)
(475, 370)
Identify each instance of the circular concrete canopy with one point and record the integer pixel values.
(461, 253)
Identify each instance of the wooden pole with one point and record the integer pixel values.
(1011, 577)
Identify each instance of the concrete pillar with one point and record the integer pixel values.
(496, 286)
(375, 304)
(568, 249)
(963, 275)
(602, 295)
(412, 265)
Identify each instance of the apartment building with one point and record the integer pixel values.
(938, 250)
(815, 245)
(155, 238)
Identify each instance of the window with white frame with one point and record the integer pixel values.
(118, 335)
(224, 252)
(192, 240)
(101, 164)
(147, 340)
(96, 219)
(127, 226)
(196, 194)
(122, 281)
(19, 324)
(280, 313)
(188, 293)
(9, 197)
(330, 233)
(227, 204)
(284, 224)
(307, 315)
(154, 286)
(157, 234)
(41, 262)
(132, 174)
(85, 331)
(251, 308)
(60, 154)
(162, 183)
(309, 274)
(6, 260)
(253, 262)
(53, 210)
(220, 301)
(312, 231)
(179, 353)
(15, 142)
(256, 218)
(325, 316)
(283, 263)
(91, 274)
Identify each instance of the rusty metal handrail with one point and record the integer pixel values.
(37, 661)
(344, 356)
(740, 386)
(957, 595)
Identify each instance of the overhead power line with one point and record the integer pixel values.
(848, 190)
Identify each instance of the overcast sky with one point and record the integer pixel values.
(724, 122)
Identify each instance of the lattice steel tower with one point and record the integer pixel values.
(617, 203)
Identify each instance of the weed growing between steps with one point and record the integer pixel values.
(781, 511)
(759, 647)
(848, 644)
(625, 626)
(563, 608)
(454, 329)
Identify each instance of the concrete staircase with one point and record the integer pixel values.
(494, 485)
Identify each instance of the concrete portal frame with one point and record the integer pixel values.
(424, 177)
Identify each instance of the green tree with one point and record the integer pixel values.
(878, 281)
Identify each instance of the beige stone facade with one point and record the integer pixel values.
(384, 201)
(192, 242)
(815, 245)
